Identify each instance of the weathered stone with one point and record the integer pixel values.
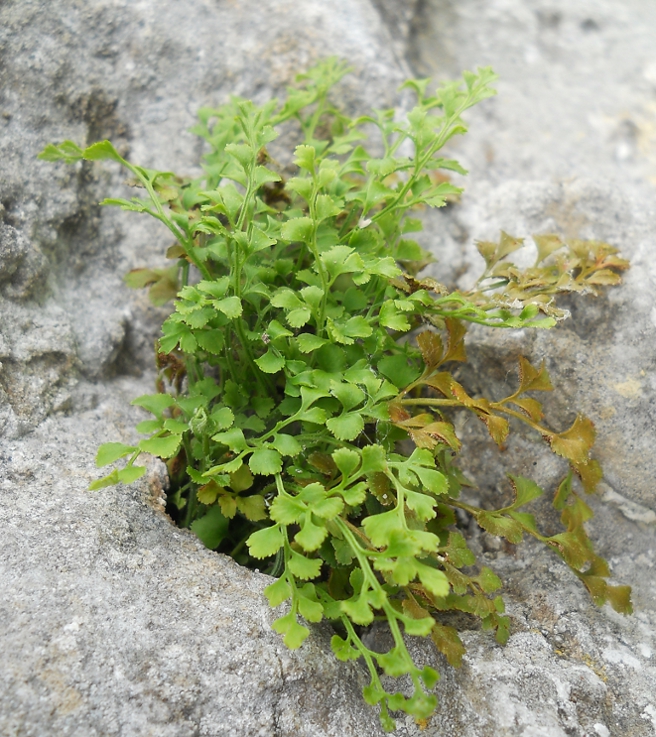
(115, 622)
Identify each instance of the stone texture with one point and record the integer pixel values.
(567, 147)
(136, 73)
(117, 623)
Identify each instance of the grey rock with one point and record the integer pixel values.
(136, 74)
(114, 621)
(566, 147)
(117, 623)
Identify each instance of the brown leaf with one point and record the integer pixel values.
(459, 581)
(430, 345)
(497, 427)
(416, 421)
(175, 251)
(397, 413)
(615, 262)
(459, 392)
(590, 474)
(575, 443)
(441, 382)
(422, 439)
(487, 249)
(574, 515)
(508, 244)
(409, 284)
(137, 278)
(443, 431)
(252, 507)
(162, 292)
(228, 506)
(413, 609)
(532, 379)
(531, 407)
(563, 492)
(323, 462)
(380, 487)
(500, 526)
(547, 244)
(455, 350)
(207, 494)
(603, 276)
(620, 599)
(574, 547)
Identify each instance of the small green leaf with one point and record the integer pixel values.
(265, 543)
(271, 362)
(302, 567)
(309, 608)
(102, 150)
(294, 633)
(211, 528)
(435, 581)
(421, 504)
(434, 481)
(349, 395)
(305, 157)
(265, 461)
(164, 447)
(298, 229)
(131, 473)
(278, 592)
(346, 426)
(298, 318)
(286, 299)
(525, 490)
(398, 370)
(222, 417)
(374, 459)
(379, 527)
(109, 480)
(346, 460)
(328, 508)
(419, 627)
(314, 414)
(229, 306)
(343, 650)
(287, 510)
(311, 536)
(149, 427)
(286, 445)
(233, 439)
(390, 317)
(307, 342)
(110, 452)
(154, 403)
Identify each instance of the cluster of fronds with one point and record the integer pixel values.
(303, 349)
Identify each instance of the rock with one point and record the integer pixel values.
(115, 622)
(137, 75)
(566, 147)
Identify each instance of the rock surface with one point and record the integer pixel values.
(117, 623)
